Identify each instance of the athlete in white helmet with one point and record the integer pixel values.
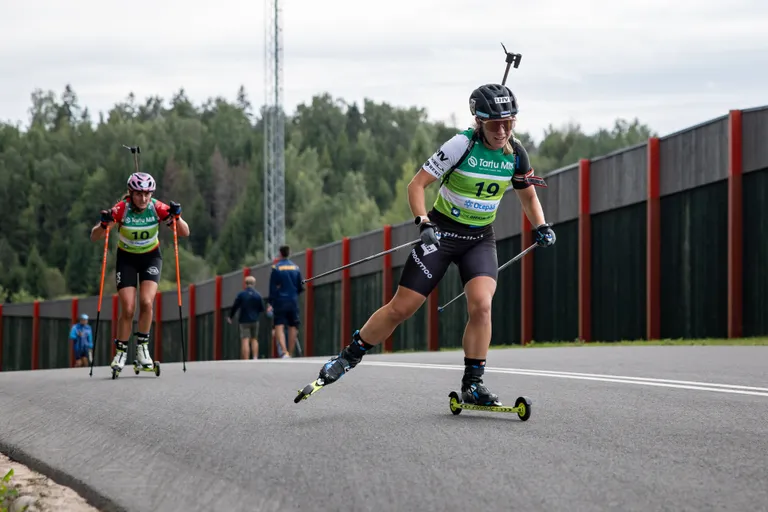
(138, 216)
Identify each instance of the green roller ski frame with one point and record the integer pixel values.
(309, 390)
(138, 368)
(522, 406)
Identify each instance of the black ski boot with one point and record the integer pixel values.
(347, 359)
(473, 391)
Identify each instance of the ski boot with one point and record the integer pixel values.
(120, 356)
(337, 366)
(473, 391)
(143, 361)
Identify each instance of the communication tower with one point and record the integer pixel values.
(274, 133)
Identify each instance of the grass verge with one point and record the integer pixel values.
(757, 341)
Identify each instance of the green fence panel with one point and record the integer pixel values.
(618, 274)
(204, 337)
(694, 262)
(556, 286)
(17, 343)
(327, 331)
(366, 293)
(55, 345)
(755, 260)
(102, 343)
(505, 311)
(266, 331)
(230, 335)
(451, 322)
(301, 335)
(172, 341)
(411, 334)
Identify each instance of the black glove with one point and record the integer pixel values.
(545, 236)
(428, 234)
(174, 211)
(106, 218)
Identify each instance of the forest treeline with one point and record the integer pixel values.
(346, 167)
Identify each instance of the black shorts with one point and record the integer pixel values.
(131, 268)
(473, 250)
(288, 315)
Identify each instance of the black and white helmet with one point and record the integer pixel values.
(493, 101)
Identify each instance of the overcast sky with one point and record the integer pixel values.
(672, 64)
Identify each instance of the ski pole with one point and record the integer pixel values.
(413, 242)
(178, 294)
(529, 249)
(298, 347)
(101, 294)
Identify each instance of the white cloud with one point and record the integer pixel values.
(670, 64)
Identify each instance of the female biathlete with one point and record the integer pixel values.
(476, 167)
(138, 216)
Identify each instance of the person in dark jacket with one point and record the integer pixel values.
(284, 289)
(250, 304)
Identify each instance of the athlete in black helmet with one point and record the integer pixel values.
(493, 101)
(476, 166)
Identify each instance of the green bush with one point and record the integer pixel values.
(7, 494)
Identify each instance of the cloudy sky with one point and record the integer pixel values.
(670, 64)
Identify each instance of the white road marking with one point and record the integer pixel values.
(619, 379)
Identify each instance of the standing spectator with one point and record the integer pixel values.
(82, 341)
(284, 289)
(250, 304)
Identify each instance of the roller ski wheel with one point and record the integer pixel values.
(115, 373)
(138, 368)
(522, 406)
(309, 390)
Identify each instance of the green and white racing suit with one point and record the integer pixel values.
(472, 186)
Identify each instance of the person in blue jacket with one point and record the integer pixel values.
(284, 288)
(82, 341)
(250, 304)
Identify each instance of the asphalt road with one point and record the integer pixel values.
(227, 435)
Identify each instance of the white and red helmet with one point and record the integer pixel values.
(141, 182)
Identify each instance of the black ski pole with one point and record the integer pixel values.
(529, 249)
(368, 258)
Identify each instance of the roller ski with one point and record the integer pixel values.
(336, 367)
(522, 406)
(154, 367)
(143, 362)
(309, 390)
(476, 396)
(121, 354)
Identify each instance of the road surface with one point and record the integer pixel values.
(613, 428)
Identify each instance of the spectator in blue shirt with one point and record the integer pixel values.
(250, 304)
(82, 341)
(284, 289)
